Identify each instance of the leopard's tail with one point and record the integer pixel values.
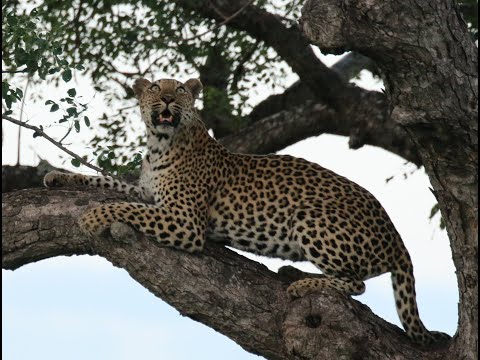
(406, 303)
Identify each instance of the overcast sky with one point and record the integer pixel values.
(82, 307)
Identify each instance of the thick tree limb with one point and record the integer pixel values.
(239, 298)
(348, 67)
(285, 128)
(431, 77)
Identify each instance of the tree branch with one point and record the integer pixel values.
(14, 71)
(238, 297)
(285, 128)
(348, 67)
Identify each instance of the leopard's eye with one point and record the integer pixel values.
(155, 87)
(181, 90)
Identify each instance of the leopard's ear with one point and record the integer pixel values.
(195, 87)
(139, 86)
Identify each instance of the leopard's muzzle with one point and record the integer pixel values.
(165, 118)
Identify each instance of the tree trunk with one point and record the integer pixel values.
(429, 64)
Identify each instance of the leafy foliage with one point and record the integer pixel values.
(30, 49)
(161, 40)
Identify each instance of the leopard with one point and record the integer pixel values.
(192, 189)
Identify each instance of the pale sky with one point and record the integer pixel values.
(84, 308)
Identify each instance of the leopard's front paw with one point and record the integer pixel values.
(55, 179)
(302, 288)
(93, 222)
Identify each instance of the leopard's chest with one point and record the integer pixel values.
(155, 176)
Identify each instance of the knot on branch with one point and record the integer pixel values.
(122, 233)
(313, 321)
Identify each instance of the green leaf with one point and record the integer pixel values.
(434, 210)
(67, 75)
(77, 126)
(54, 108)
(72, 111)
(5, 87)
(72, 92)
(79, 67)
(8, 101)
(21, 56)
(443, 225)
(75, 162)
(87, 120)
(15, 95)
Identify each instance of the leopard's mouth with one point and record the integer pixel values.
(165, 118)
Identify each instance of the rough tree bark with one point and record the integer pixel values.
(430, 69)
(429, 66)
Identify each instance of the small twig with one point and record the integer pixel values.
(68, 132)
(77, 30)
(124, 73)
(57, 144)
(237, 73)
(121, 83)
(13, 71)
(21, 116)
(151, 64)
(121, 110)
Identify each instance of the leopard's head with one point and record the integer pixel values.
(165, 104)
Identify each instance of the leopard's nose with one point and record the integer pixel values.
(167, 99)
